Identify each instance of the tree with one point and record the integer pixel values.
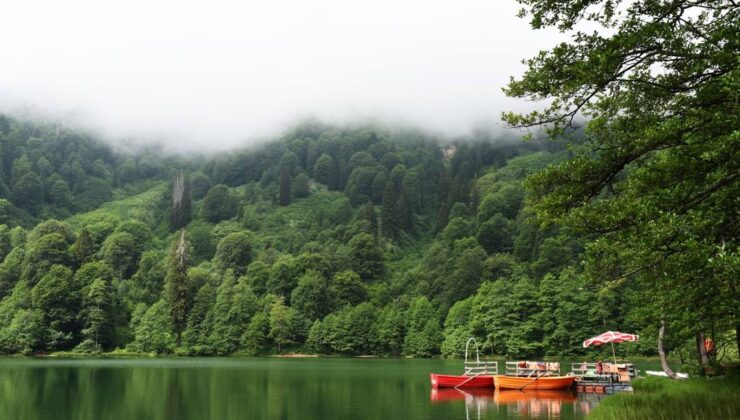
(655, 177)
(282, 276)
(199, 185)
(6, 212)
(359, 187)
(83, 247)
(495, 234)
(58, 299)
(177, 285)
(218, 204)
(201, 237)
(11, 270)
(255, 338)
(284, 194)
(311, 297)
(21, 167)
(390, 328)
(366, 257)
(41, 254)
(281, 323)
(60, 194)
(147, 283)
(347, 289)
(200, 324)
(234, 306)
(235, 252)
(127, 171)
(28, 192)
(325, 171)
(392, 214)
(423, 332)
(301, 187)
(96, 315)
(507, 201)
(367, 214)
(152, 332)
(120, 251)
(457, 328)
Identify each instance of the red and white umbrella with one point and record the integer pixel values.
(611, 337)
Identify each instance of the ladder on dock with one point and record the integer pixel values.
(475, 368)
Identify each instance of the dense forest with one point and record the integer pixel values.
(346, 240)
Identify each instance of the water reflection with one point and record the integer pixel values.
(527, 404)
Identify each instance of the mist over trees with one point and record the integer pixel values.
(344, 240)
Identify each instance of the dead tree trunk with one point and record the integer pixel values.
(701, 349)
(661, 351)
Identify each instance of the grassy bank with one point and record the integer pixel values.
(662, 398)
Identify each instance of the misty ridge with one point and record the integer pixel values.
(163, 147)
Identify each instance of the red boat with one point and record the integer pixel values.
(462, 381)
(476, 374)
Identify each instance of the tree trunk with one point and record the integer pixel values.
(661, 351)
(701, 350)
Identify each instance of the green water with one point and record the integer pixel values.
(234, 388)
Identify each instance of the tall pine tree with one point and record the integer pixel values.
(394, 207)
(178, 290)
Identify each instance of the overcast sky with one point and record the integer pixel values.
(217, 73)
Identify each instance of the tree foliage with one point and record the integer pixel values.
(654, 178)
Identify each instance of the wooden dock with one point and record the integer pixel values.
(602, 387)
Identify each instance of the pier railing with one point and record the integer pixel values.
(524, 368)
(477, 367)
(621, 372)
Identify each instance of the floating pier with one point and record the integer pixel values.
(602, 387)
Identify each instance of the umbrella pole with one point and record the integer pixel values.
(613, 353)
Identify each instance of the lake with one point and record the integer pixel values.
(258, 388)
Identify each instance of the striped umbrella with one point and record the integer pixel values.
(610, 337)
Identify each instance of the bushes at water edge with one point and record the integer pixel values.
(662, 398)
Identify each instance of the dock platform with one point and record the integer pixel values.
(602, 387)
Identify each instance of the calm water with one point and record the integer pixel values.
(212, 388)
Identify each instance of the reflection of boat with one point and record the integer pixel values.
(511, 396)
(476, 374)
(550, 404)
(451, 394)
(531, 376)
(535, 383)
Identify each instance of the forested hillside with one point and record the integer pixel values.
(340, 240)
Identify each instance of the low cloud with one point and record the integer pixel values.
(211, 75)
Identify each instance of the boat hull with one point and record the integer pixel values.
(452, 381)
(530, 384)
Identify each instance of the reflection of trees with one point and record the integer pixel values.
(162, 389)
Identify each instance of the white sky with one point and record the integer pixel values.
(218, 73)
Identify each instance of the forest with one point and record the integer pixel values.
(344, 240)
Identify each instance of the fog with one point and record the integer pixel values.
(209, 75)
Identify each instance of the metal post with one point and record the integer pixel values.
(613, 353)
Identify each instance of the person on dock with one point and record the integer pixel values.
(584, 367)
(599, 367)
